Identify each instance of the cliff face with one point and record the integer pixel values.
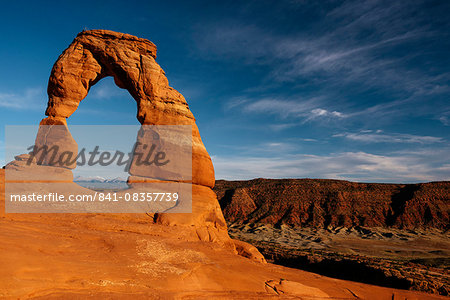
(323, 203)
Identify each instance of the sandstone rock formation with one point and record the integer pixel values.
(320, 203)
(96, 54)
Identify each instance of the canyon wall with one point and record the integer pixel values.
(321, 203)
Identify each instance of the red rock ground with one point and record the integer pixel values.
(113, 256)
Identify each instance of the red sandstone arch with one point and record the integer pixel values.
(130, 60)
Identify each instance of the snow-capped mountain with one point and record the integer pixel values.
(98, 179)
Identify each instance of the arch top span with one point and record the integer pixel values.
(130, 60)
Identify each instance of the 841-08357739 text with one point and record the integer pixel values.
(97, 196)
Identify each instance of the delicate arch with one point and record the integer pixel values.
(96, 54)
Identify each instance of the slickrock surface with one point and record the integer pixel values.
(127, 256)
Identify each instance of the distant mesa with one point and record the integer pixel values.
(320, 203)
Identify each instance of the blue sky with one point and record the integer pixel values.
(355, 90)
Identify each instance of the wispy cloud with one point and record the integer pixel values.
(356, 166)
(381, 48)
(369, 136)
(29, 99)
(283, 108)
(282, 126)
(445, 119)
(236, 102)
(107, 89)
(353, 43)
(321, 113)
(307, 110)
